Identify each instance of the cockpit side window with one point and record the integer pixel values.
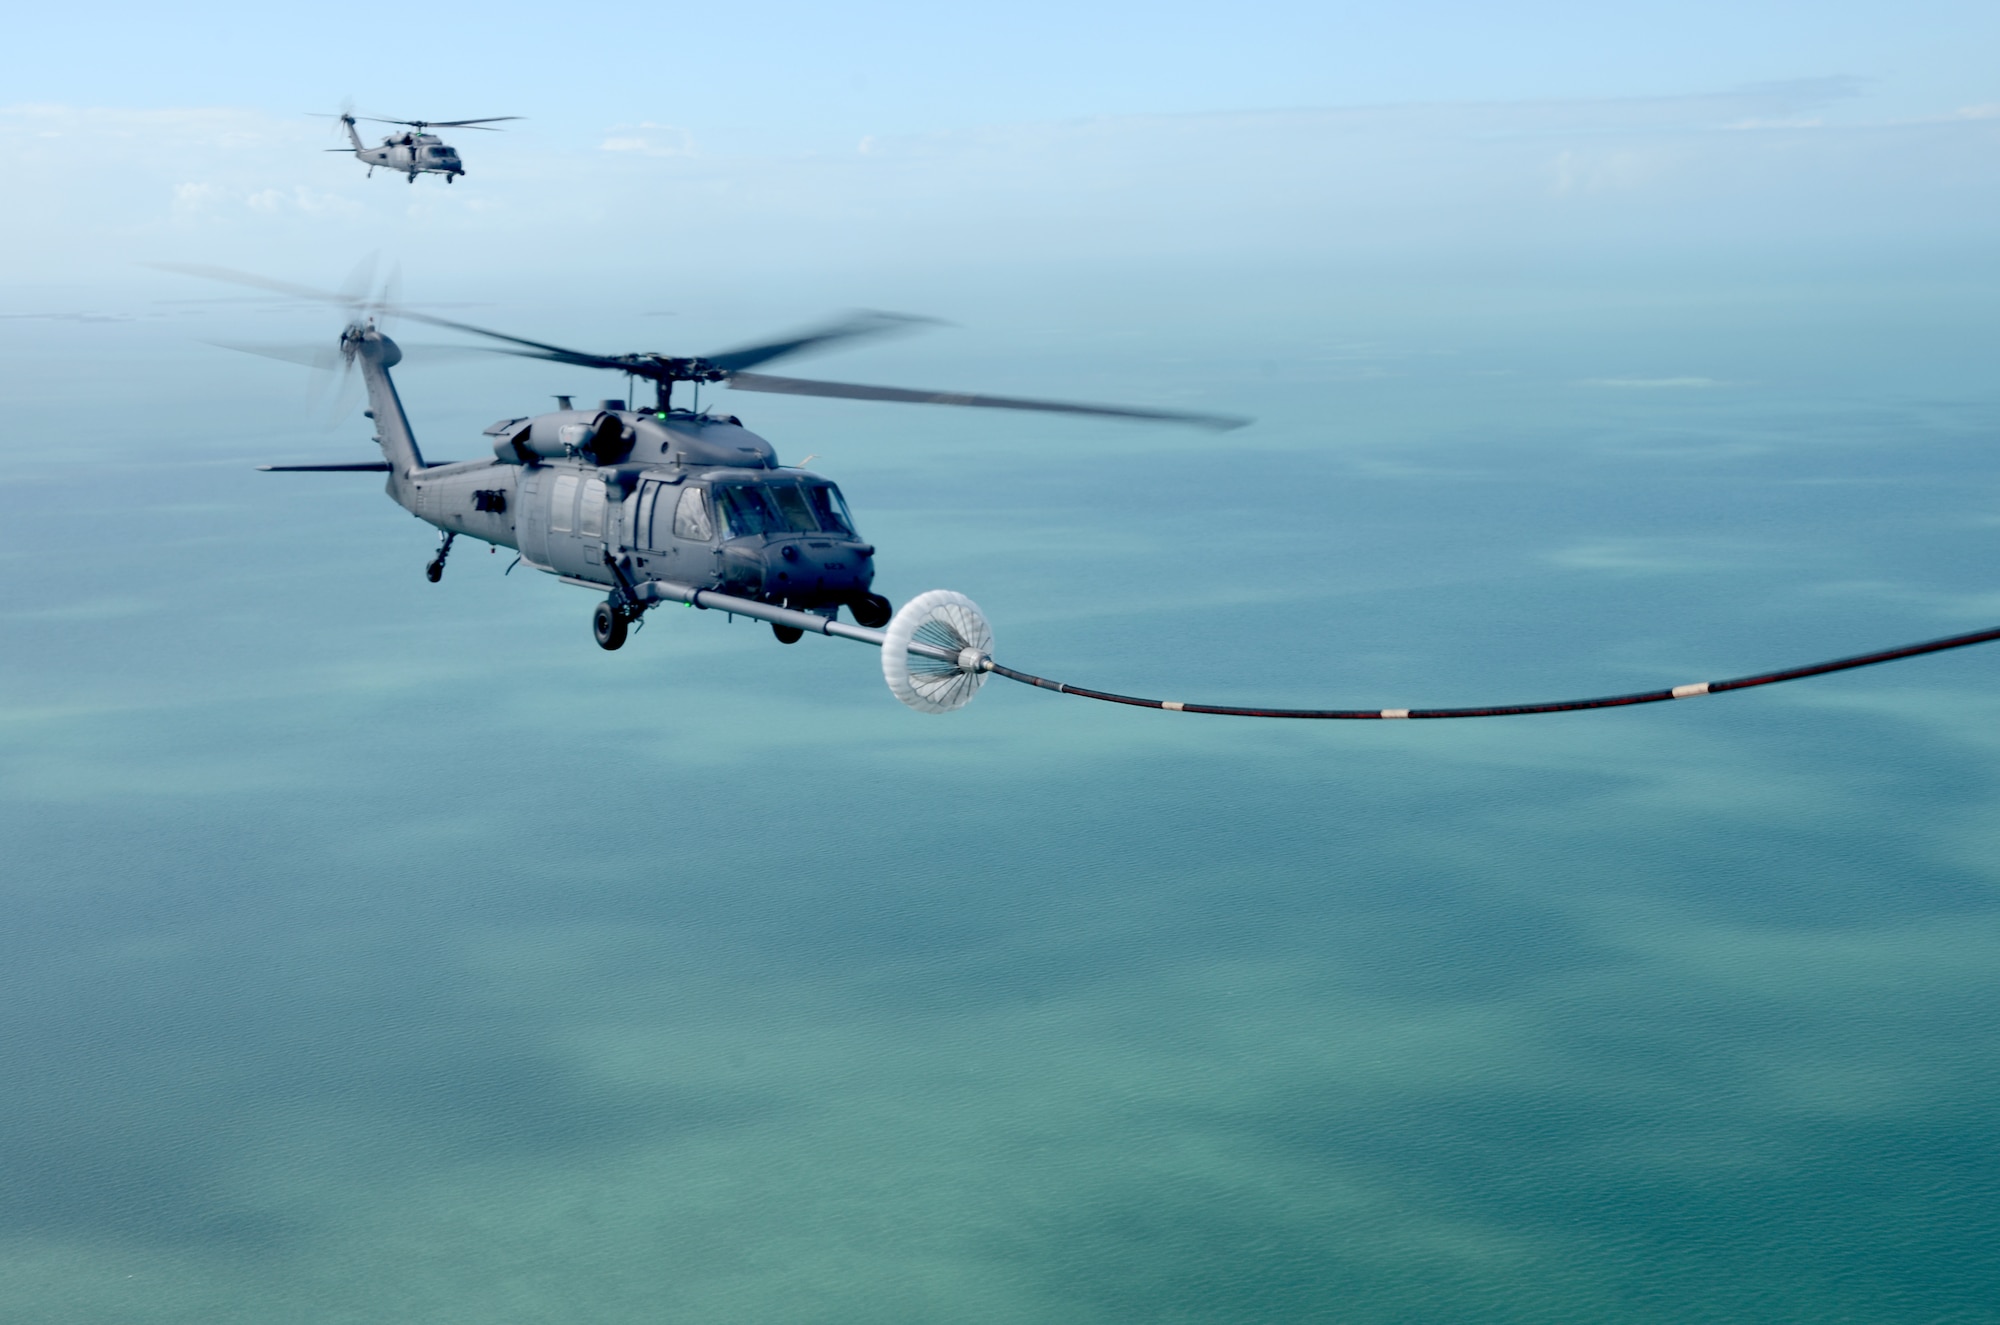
(831, 509)
(745, 513)
(691, 520)
(799, 518)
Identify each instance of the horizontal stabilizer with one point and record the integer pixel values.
(365, 467)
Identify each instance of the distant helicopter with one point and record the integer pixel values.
(413, 151)
(688, 506)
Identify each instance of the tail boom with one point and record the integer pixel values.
(376, 354)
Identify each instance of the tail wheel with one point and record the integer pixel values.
(942, 620)
(608, 624)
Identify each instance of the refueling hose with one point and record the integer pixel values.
(1508, 710)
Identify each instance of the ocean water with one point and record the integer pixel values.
(378, 950)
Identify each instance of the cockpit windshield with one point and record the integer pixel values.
(830, 508)
(791, 504)
(782, 508)
(745, 512)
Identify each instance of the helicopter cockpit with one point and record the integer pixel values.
(782, 507)
(785, 536)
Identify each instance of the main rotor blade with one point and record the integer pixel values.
(865, 323)
(233, 277)
(558, 353)
(574, 358)
(230, 277)
(324, 356)
(731, 362)
(439, 124)
(799, 386)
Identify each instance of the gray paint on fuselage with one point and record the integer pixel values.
(409, 153)
(679, 452)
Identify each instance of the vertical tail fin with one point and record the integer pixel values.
(377, 354)
(347, 122)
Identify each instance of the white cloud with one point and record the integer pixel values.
(193, 199)
(649, 139)
(1621, 169)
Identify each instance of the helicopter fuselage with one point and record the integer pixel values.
(587, 495)
(410, 154)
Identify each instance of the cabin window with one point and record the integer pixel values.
(691, 520)
(590, 513)
(831, 509)
(746, 513)
(639, 530)
(562, 503)
(641, 533)
(791, 504)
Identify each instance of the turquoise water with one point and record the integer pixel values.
(384, 951)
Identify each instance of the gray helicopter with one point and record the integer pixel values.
(674, 504)
(413, 152)
(669, 505)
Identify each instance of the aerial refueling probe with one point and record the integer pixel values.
(1511, 710)
(937, 652)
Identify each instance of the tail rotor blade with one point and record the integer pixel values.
(354, 290)
(346, 396)
(317, 355)
(383, 305)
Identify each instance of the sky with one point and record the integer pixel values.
(809, 142)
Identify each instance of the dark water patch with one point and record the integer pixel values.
(1679, 1185)
(143, 1076)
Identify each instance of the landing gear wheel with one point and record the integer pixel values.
(608, 624)
(788, 634)
(435, 570)
(872, 611)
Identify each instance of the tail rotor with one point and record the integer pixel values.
(335, 389)
(370, 311)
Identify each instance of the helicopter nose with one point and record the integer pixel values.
(817, 570)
